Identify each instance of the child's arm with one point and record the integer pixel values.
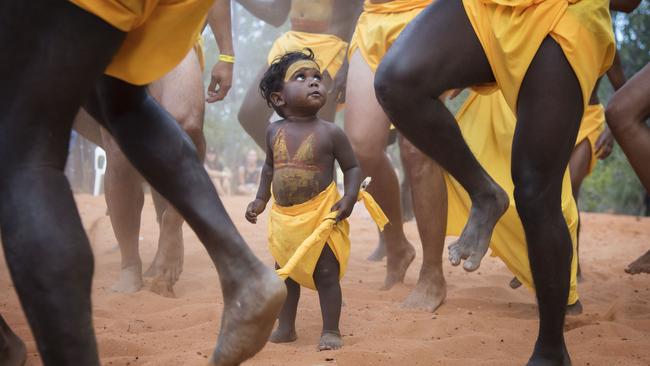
(264, 191)
(351, 173)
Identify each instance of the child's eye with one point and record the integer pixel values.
(318, 77)
(300, 77)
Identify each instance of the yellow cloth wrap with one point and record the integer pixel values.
(199, 47)
(329, 50)
(511, 32)
(592, 125)
(160, 33)
(298, 234)
(379, 26)
(488, 126)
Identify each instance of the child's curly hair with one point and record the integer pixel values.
(273, 79)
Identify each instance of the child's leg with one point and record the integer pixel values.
(286, 331)
(326, 277)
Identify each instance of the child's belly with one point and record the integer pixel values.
(292, 186)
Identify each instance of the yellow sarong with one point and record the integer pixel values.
(592, 125)
(488, 127)
(298, 234)
(160, 33)
(511, 32)
(329, 50)
(379, 26)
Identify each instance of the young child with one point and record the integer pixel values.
(300, 155)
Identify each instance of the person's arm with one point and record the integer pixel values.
(264, 191)
(615, 73)
(344, 154)
(352, 10)
(274, 12)
(626, 6)
(220, 23)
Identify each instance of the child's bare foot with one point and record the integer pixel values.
(283, 336)
(379, 253)
(430, 291)
(397, 265)
(641, 265)
(475, 238)
(329, 340)
(130, 280)
(12, 348)
(248, 316)
(515, 283)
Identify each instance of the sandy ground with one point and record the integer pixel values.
(482, 322)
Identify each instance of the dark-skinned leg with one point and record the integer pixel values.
(430, 208)
(549, 111)
(12, 348)
(253, 294)
(326, 277)
(48, 47)
(286, 331)
(409, 93)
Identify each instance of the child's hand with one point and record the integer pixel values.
(255, 208)
(344, 206)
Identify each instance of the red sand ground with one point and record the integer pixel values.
(482, 322)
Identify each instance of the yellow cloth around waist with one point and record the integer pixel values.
(592, 125)
(298, 234)
(329, 50)
(160, 33)
(379, 26)
(511, 32)
(488, 126)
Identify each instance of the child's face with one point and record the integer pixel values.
(304, 93)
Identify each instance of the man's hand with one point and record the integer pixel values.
(255, 208)
(604, 144)
(221, 78)
(344, 206)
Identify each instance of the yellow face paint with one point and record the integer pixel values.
(301, 64)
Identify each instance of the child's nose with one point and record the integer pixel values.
(314, 82)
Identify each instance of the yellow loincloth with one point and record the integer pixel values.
(379, 26)
(488, 126)
(511, 32)
(160, 33)
(298, 234)
(592, 125)
(329, 49)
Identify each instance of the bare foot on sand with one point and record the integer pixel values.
(130, 280)
(330, 340)
(429, 293)
(379, 253)
(12, 348)
(641, 265)
(515, 283)
(283, 336)
(167, 266)
(397, 265)
(475, 238)
(248, 317)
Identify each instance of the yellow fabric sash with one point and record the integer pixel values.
(379, 26)
(297, 234)
(592, 125)
(160, 34)
(511, 32)
(488, 127)
(329, 50)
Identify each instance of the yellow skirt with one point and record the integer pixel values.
(329, 49)
(160, 33)
(488, 126)
(379, 26)
(592, 125)
(511, 32)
